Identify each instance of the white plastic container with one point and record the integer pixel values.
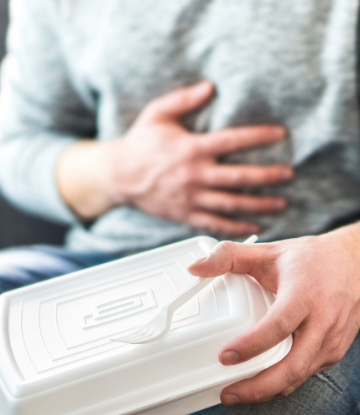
(56, 357)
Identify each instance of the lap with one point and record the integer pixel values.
(27, 265)
(336, 391)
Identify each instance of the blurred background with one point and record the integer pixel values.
(15, 227)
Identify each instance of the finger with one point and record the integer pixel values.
(232, 139)
(282, 319)
(280, 377)
(218, 225)
(236, 176)
(297, 384)
(290, 389)
(332, 350)
(227, 256)
(231, 203)
(181, 101)
(336, 344)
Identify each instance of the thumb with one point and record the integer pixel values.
(181, 101)
(258, 260)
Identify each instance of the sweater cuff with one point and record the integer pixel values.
(53, 205)
(29, 176)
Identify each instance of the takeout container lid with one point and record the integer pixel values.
(57, 358)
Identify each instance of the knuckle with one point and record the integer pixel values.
(330, 322)
(302, 370)
(231, 137)
(228, 246)
(336, 356)
(258, 395)
(296, 372)
(266, 132)
(333, 347)
(225, 204)
(184, 98)
(186, 175)
(243, 176)
(273, 174)
(228, 206)
(334, 341)
(152, 109)
(188, 149)
(194, 150)
(184, 201)
(283, 326)
(287, 391)
(263, 204)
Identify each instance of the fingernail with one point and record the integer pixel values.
(278, 133)
(287, 174)
(230, 358)
(231, 400)
(199, 261)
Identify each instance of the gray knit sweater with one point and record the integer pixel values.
(86, 68)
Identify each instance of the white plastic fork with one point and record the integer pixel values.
(159, 325)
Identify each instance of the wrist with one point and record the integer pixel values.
(348, 232)
(80, 179)
(346, 238)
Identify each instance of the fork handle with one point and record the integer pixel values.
(196, 286)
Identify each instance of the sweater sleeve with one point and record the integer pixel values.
(41, 114)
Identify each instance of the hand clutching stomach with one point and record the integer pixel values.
(317, 282)
(163, 169)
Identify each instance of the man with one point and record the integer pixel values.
(141, 123)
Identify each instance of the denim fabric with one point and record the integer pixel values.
(28, 265)
(335, 391)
